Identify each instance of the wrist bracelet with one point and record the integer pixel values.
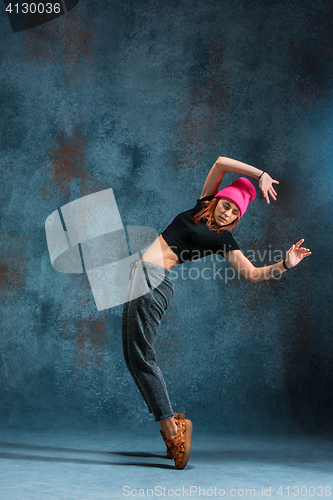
(261, 175)
(284, 265)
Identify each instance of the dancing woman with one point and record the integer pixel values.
(193, 234)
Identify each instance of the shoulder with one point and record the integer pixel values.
(200, 202)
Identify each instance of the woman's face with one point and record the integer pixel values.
(226, 211)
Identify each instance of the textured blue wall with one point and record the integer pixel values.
(142, 97)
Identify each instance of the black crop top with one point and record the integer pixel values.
(192, 241)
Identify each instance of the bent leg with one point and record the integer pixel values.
(141, 320)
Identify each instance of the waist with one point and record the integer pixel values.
(160, 254)
(151, 265)
(154, 271)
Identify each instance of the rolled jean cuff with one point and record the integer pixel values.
(164, 418)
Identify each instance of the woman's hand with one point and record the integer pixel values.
(295, 254)
(266, 187)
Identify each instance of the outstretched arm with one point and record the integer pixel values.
(256, 274)
(223, 165)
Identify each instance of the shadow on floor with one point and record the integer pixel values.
(293, 455)
(22, 456)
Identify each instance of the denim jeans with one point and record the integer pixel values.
(141, 320)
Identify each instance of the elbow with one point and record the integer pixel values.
(254, 276)
(249, 273)
(221, 163)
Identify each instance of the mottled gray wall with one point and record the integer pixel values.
(142, 97)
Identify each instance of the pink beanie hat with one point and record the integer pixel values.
(241, 191)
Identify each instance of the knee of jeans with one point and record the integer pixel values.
(134, 360)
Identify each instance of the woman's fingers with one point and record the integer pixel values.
(302, 251)
(273, 194)
(266, 195)
(298, 252)
(269, 192)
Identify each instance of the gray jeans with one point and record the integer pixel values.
(141, 320)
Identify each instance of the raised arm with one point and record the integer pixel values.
(256, 274)
(223, 165)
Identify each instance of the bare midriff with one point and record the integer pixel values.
(161, 254)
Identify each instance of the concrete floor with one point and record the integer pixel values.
(87, 465)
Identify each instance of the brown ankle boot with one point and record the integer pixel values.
(180, 445)
(168, 451)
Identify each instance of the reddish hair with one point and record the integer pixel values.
(206, 215)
